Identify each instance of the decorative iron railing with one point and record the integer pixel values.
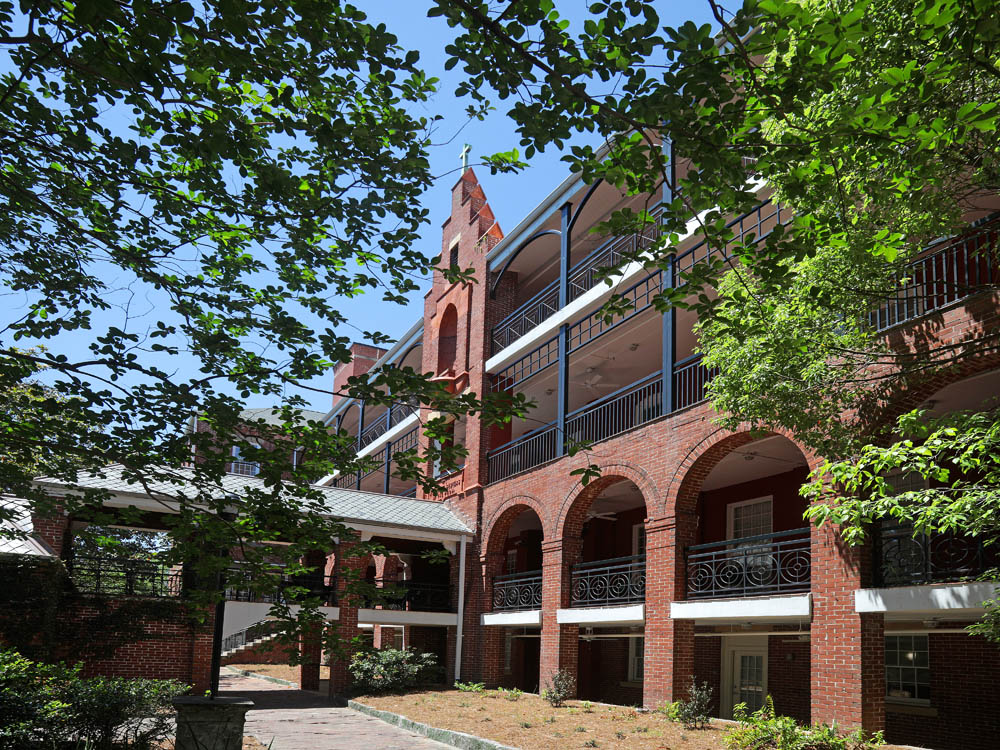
(750, 566)
(414, 596)
(617, 412)
(609, 582)
(240, 588)
(583, 277)
(125, 577)
(942, 277)
(517, 591)
(256, 632)
(526, 452)
(903, 559)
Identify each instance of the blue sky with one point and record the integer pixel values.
(510, 196)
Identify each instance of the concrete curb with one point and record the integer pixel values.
(447, 736)
(259, 676)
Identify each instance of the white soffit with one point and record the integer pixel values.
(953, 598)
(754, 609)
(631, 614)
(406, 617)
(525, 618)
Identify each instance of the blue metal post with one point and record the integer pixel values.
(562, 407)
(388, 462)
(669, 320)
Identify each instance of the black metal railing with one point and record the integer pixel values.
(240, 588)
(750, 566)
(609, 582)
(517, 591)
(583, 277)
(690, 379)
(391, 417)
(413, 595)
(903, 559)
(256, 632)
(526, 452)
(125, 577)
(957, 270)
(617, 412)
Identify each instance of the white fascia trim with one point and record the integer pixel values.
(600, 293)
(525, 618)
(406, 617)
(446, 538)
(756, 609)
(405, 426)
(630, 614)
(953, 598)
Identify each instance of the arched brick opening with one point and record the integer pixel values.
(578, 502)
(498, 526)
(447, 340)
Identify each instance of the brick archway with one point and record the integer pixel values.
(495, 530)
(681, 497)
(574, 507)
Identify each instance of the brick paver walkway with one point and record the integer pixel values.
(290, 719)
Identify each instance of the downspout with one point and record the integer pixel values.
(461, 608)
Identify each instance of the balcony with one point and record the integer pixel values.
(957, 269)
(627, 408)
(414, 596)
(517, 591)
(239, 588)
(392, 416)
(764, 565)
(903, 559)
(608, 583)
(125, 577)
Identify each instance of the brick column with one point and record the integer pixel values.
(493, 637)
(201, 652)
(847, 648)
(348, 566)
(53, 530)
(669, 647)
(560, 646)
(311, 642)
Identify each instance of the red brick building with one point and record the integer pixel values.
(689, 557)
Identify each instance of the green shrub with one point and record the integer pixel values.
(512, 695)
(471, 687)
(392, 670)
(694, 712)
(47, 706)
(763, 730)
(562, 685)
(136, 713)
(670, 709)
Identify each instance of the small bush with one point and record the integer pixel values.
(694, 712)
(392, 670)
(513, 694)
(46, 706)
(471, 687)
(526, 724)
(670, 709)
(561, 686)
(588, 707)
(763, 729)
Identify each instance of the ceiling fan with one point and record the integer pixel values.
(592, 379)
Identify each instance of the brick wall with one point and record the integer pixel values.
(603, 667)
(708, 666)
(965, 695)
(788, 676)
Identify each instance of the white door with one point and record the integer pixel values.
(744, 675)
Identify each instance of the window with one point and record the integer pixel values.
(453, 256)
(636, 647)
(907, 668)
(639, 539)
(240, 466)
(511, 562)
(749, 518)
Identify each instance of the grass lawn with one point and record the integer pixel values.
(531, 723)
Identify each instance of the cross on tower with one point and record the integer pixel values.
(465, 157)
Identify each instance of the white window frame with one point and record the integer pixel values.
(638, 532)
(731, 515)
(636, 658)
(236, 458)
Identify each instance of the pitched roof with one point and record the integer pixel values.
(272, 416)
(18, 534)
(350, 505)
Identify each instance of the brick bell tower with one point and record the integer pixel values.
(455, 349)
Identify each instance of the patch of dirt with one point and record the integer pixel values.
(531, 723)
(281, 671)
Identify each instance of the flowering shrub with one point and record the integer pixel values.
(392, 670)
